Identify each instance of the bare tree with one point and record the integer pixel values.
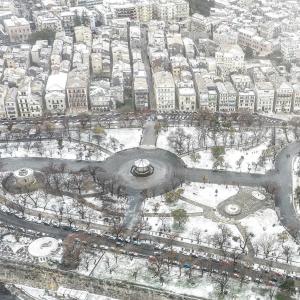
(222, 281)
(221, 239)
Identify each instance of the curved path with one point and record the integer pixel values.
(284, 188)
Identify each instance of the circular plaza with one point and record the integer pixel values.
(137, 169)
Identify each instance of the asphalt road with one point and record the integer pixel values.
(39, 163)
(283, 199)
(149, 134)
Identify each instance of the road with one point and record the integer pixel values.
(149, 134)
(283, 199)
(145, 57)
(39, 163)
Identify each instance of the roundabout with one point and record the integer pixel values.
(137, 169)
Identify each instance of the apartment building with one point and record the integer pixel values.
(227, 97)
(186, 95)
(164, 89)
(18, 29)
(246, 100)
(265, 95)
(77, 91)
(283, 97)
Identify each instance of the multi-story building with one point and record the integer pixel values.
(186, 96)
(290, 48)
(189, 47)
(296, 99)
(55, 97)
(265, 94)
(241, 82)
(96, 63)
(125, 10)
(167, 10)
(225, 35)
(164, 89)
(3, 93)
(83, 35)
(269, 30)
(48, 21)
(67, 21)
(144, 11)
(283, 97)
(101, 98)
(230, 58)
(90, 4)
(249, 38)
(18, 29)
(206, 93)
(29, 103)
(226, 97)
(175, 44)
(179, 64)
(246, 100)
(141, 93)
(11, 107)
(77, 91)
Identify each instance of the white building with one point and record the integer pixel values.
(227, 97)
(141, 93)
(186, 96)
(296, 100)
(246, 100)
(290, 48)
(77, 91)
(96, 63)
(83, 35)
(265, 94)
(230, 58)
(48, 21)
(168, 10)
(144, 11)
(283, 97)
(206, 93)
(101, 96)
(225, 35)
(11, 107)
(3, 93)
(30, 104)
(249, 38)
(164, 89)
(55, 97)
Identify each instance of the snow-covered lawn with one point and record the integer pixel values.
(209, 194)
(50, 149)
(267, 229)
(51, 205)
(200, 137)
(128, 137)
(159, 205)
(249, 159)
(194, 224)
